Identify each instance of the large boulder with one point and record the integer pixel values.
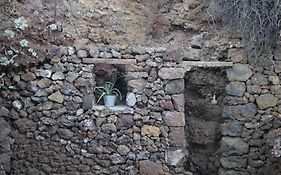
(266, 101)
(239, 72)
(231, 129)
(175, 157)
(174, 118)
(175, 87)
(137, 85)
(231, 145)
(233, 162)
(147, 167)
(236, 89)
(243, 112)
(150, 131)
(177, 137)
(171, 73)
(56, 97)
(259, 79)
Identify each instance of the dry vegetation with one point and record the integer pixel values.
(257, 21)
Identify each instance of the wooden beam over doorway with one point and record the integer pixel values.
(206, 64)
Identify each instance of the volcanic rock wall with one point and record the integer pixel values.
(56, 130)
(48, 124)
(250, 142)
(5, 144)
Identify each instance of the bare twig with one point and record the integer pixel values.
(257, 21)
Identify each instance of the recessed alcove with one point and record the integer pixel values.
(111, 73)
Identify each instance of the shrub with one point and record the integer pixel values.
(257, 21)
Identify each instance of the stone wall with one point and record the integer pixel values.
(251, 138)
(48, 125)
(56, 131)
(5, 144)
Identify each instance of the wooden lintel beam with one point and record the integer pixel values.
(206, 64)
(108, 61)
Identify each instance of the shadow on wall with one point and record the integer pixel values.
(205, 89)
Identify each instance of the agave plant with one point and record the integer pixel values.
(5, 61)
(108, 89)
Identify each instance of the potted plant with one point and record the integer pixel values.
(109, 93)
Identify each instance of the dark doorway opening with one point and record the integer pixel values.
(204, 92)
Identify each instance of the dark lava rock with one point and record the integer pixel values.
(231, 129)
(175, 87)
(247, 111)
(4, 112)
(88, 101)
(147, 167)
(125, 121)
(65, 133)
(24, 125)
(236, 89)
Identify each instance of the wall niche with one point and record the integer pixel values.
(110, 73)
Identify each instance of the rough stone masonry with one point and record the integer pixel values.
(50, 127)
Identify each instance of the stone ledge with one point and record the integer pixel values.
(113, 108)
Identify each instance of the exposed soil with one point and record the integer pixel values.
(203, 118)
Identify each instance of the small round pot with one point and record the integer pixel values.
(109, 100)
